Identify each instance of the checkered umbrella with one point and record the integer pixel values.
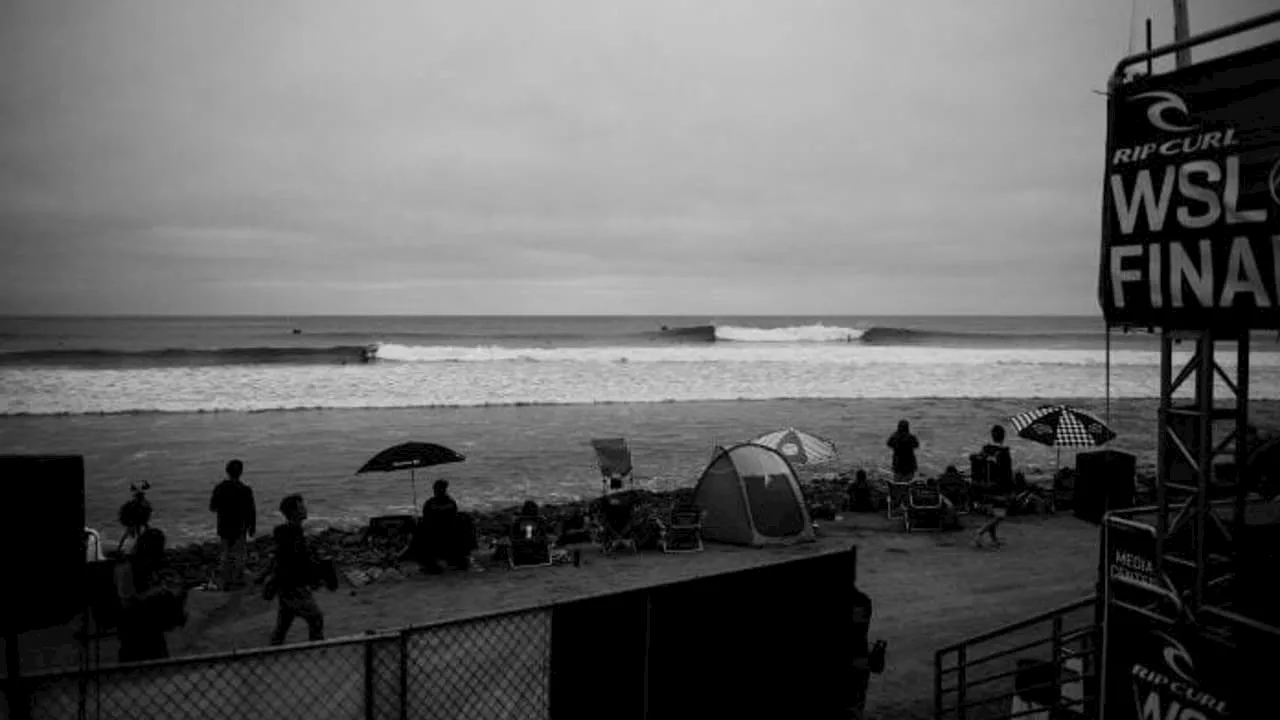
(800, 448)
(1062, 426)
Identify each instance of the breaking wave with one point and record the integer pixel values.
(171, 357)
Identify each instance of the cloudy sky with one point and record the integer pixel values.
(559, 156)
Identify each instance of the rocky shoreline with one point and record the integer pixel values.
(375, 555)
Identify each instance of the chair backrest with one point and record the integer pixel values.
(686, 516)
(527, 528)
(924, 495)
(614, 457)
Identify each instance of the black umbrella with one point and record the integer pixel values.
(411, 456)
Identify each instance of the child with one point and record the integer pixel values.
(295, 573)
(135, 516)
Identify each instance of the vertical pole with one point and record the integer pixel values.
(404, 675)
(648, 638)
(962, 657)
(937, 685)
(15, 691)
(1151, 69)
(1242, 428)
(1057, 652)
(1204, 405)
(1181, 32)
(1108, 371)
(1164, 449)
(369, 711)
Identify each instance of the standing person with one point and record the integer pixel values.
(152, 600)
(295, 573)
(904, 446)
(237, 521)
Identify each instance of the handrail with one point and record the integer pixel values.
(1066, 636)
(953, 684)
(1021, 624)
(1201, 39)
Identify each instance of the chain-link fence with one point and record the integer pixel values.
(493, 666)
(655, 651)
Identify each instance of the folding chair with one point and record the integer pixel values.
(614, 458)
(896, 504)
(683, 530)
(530, 546)
(616, 524)
(925, 507)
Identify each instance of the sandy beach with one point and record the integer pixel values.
(929, 589)
(513, 453)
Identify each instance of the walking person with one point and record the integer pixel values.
(989, 528)
(296, 573)
(237, 512)
(904, 446)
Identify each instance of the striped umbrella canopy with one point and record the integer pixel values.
(1062, 426)
(801, 448)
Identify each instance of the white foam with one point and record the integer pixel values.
(497, 376)
(818, 333)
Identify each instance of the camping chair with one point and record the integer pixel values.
(1062, 496)
(896, 503)
(925, 507)
(683, 530)
(614, 458)
(530, 546)
(616, 524)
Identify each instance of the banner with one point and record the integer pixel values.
(1166, 673)
(1130, 567)
(1191, 196)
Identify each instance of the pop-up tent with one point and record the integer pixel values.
(751, 496)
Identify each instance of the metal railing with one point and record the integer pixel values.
(975, 679)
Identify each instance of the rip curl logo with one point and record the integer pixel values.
(1162, 105)
(1177, 658)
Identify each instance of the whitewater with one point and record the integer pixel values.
(464, 376)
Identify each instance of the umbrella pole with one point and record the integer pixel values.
(413, 482)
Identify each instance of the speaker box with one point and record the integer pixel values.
(42, 530)
(1104, 481)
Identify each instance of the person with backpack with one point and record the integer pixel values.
(237, 522)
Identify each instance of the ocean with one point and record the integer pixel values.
(305, 400)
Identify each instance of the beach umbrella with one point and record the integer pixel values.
(1062, 426)
(800, 448)
(411, 456)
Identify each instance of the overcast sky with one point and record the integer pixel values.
(559, 156)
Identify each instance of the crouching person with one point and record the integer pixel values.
(296, 572)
